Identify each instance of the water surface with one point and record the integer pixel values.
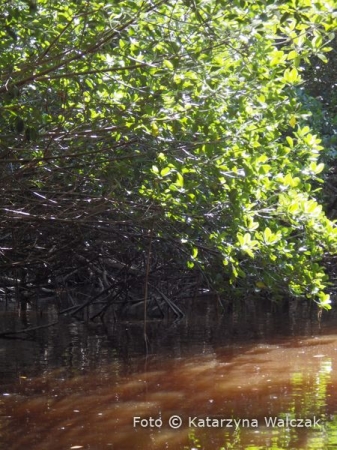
(252, 381)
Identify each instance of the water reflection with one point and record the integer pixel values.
(73, 386)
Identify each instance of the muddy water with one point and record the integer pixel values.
(264, 381)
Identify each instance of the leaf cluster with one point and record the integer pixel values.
(187, 112)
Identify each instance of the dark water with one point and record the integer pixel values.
(254, 380)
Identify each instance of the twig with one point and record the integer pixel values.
(91, 300)
(27, 330)
(177, 311)
(146, 288)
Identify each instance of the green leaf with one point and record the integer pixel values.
(292, 76)
(165, 171)
(168, 64)
(179, 180)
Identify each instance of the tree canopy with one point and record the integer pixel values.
(171, 130)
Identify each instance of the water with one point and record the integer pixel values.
(246, 381)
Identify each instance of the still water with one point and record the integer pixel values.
(254, 380)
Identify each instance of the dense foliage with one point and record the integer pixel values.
(178, 125)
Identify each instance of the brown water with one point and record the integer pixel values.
(76, 387)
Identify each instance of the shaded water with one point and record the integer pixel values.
(74, 386)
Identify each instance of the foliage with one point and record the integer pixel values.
(180, 117)
(320, 97)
